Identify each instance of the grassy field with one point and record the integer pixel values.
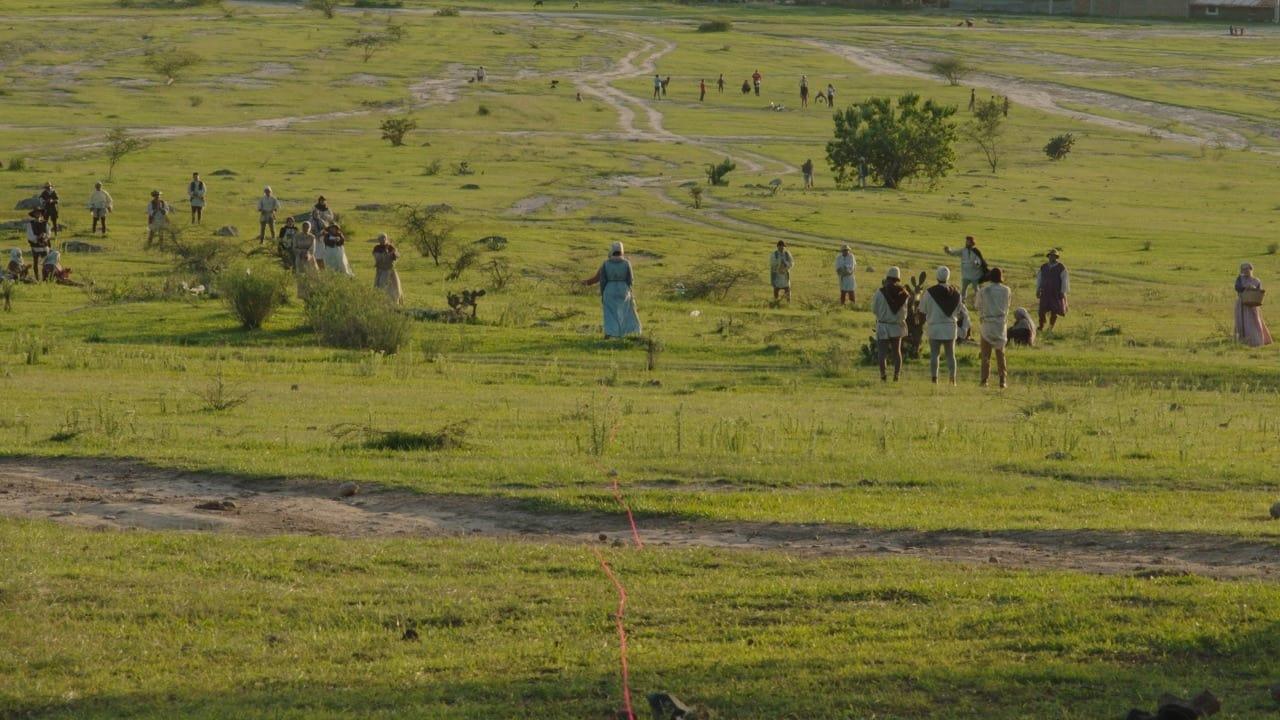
(1138, 414)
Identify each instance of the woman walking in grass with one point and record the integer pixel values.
(780, 264)
(333, 254)
(993, 309)
(304, 258)
(846, 263)
(890, 308)
(384, 262)
(1250, 327)
(616, 300)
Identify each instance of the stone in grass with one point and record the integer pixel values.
(79, 246)
(666, 706)
(224, 171)
(227, 231)
(1275, 510)
(370, 207)
(347, 489)
(470, 186)
(410, 635)
(222, 505)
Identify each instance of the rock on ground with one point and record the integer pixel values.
(30, 203)
(79, 246)
(227, 231)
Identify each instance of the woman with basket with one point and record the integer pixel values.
(1250, 328)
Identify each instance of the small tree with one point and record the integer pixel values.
(369, 43)
(951, 69)
(326, 7)
(119, 144)
(912, 140)
(717, 173)
(1060, 146)
(427, 229)
(170, 62)
(695, 192)
(395, 128)
(986, 128)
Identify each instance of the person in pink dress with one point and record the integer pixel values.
(1250, 327)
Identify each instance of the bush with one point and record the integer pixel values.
(951, 69)
(715, 26)
(448, 12)
(395, 128)
(326, 7)
(911, 140)
(482, 110)
(711, 279)
(1060, 146)
(170, 62)
(17, 163)
(354, 315)
(253, 292)
(716, 173)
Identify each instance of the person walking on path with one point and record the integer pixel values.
(889, 306)
(973, 99)
(49, 201)
(385, 277)
(993, 312)
(831, 96)
(756, 77)
(157, 216)
(100, 205)
(939, 307)
(807, 170)
(1053, 284)
(657, 87)
(973, 266)
(846, 264)
(804, 91)
(720, 84)
(268, 206)
(616, 299)
(780, 264)
(196, 192)
(1006, 106)
(702, 90)
(1250, 327)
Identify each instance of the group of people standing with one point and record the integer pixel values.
(42, 229)
(752, 84)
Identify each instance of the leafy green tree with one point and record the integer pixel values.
(951, 69)
(913, 140)
(395, 128)
(986, 128)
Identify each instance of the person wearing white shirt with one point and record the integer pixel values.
(939, 305)
(846, 263)
(268, 205)
(100, 205)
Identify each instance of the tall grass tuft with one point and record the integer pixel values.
(349, 314)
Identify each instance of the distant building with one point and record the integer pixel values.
(1235, 10)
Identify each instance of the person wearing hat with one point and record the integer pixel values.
(38, 239)
(973, 267)
(846, 263)
(49, 201)
(1052, 286)
(993, 310)
(616, 300)
(939, 305)
(268, 205)
(100, 205)
(780, 264)
(889, 306)
(196, 192)
(157, 215)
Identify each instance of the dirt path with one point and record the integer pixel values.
(119, 495)
(1050, 98)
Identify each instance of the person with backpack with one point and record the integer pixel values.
(38, 239)
(973, 266)
(940, 305)
(196, 191)
(889, 306)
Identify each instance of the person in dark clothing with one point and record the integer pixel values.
(720, 84)
(38, 240)
(746, 87)
(702, 90)
(1052, 285)
(756, 77)
(807, 169)
(49, 201)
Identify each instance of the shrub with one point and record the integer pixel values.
(432, 168)
(200, 260)
(120, 144)
(482, 110)
(253, 292)
(170, 62)
(326, 7)
(986, 128)
(395, 128)
(711, 279)
(427, 229)
(911, 140)
(449, 437)
(695, 192)
(717, 173)
(17, 164)
(353, 315)
(1060, 146)
(951, 69)
(715, 26)
(1273, 248)
(378, 4)
(447, 12)
(463, 262)
(195, 101)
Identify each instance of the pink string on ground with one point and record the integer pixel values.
(622, 634)
(617, 495)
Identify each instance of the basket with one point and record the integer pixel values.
(1252, 297)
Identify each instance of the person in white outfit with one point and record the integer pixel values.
(196, 192)
(940, 305)
(973, 267)
(100, 205)
(268, 205)
(846, 263)
(890, 309)
(993, 309)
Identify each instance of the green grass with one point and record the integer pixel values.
(1138, 414)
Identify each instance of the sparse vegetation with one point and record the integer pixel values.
(427, 228)
(171, 62)
(1059, 146)
(120, 144)
(711, 279)
(447, 12)
(253, 292)
(717, 172)
(369, 43)
(711, 26)
(394, 129)
(327, 8)
(986, 129)
(218, 394)
(348, 314)
(951, 69)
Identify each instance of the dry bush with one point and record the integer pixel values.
(711, 279)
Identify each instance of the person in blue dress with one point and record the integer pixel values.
(619, 305)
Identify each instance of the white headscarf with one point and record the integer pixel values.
(53, 257)
(15, 255)
(616, 248)
(944, 273)
(1023, 320)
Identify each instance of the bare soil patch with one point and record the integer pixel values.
(122, 495)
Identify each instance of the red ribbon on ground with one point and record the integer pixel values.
(622, 634)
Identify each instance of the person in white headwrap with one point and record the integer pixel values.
(331, 251)
(100, 205)
(846, 264)
(53, 269)
(993, 309)
(780, 264)
(1250, 328)
(268, 205)
(889, 305)
(304, 258)
(939, 305)
(1023, 331)
(616, 299)
(386, 278)
(17, 270)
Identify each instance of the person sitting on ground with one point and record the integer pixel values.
(386, 278)
(616, 299)
(846, 264)
(1023, 331)
(38, 239)
(157, 216)
(49, 201)
(322, 216)
(889, 306)
(807, 170)
(973, 266)
(17, 270)
(333, 253)
(746, 87)
(54, 271)
(993, 309)
(939, 306)
(268, 205)
(196, 192)
(1052, 286)
(100, 205)
(780, 264)
(284, 242)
